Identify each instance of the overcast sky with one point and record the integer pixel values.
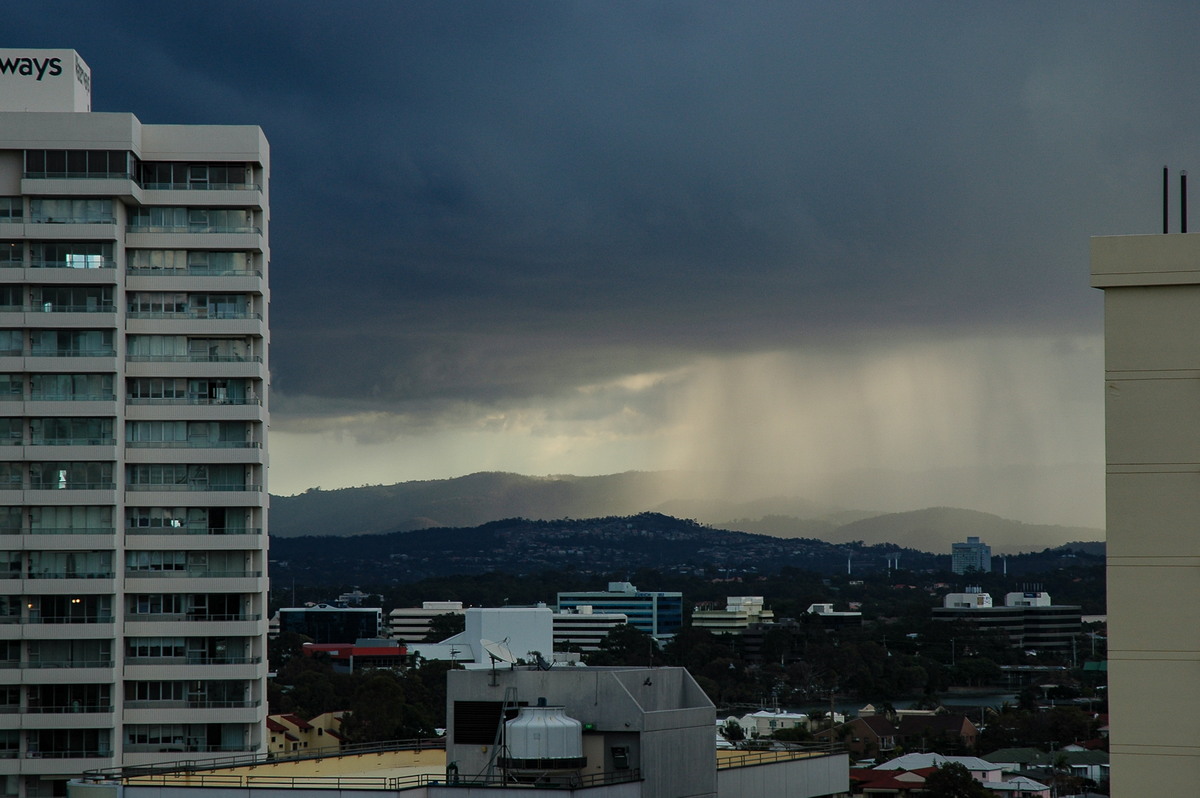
(558, 237)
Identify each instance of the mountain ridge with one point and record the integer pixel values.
(482, 497)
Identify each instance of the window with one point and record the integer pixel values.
(72, 255)
(11, 209)
(71, 431)
(72, 299)
(72, 387)
(71, 476)
(155, 561)
(71, 211)
(70, 519)
(155, 647)
(72, 343)
(78, 163)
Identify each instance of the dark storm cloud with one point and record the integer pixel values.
(492, 202)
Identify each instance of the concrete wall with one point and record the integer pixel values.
(799, 778)
(1152, 386)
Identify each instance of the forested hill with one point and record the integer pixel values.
(597, 545)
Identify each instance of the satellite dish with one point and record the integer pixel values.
(499, 652)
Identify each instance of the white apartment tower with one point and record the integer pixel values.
(1151, 289)
(133, 419)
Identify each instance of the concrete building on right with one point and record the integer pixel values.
(1151, 287)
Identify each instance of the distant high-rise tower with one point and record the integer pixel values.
(1151, 289)
(971, 556)
(133, 418)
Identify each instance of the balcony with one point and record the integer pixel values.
(102, 352)
(67, 663)
(190, 271)
(192, 314)
(201, 186)
(41, 396)
(101, 617)
(77, 575)
(193, 573)
(193, 660)
(184, 530)
(188, 228)
(192, 703)
(191, 399)
(73, 442)
(190, 617)
(194, 358)
(191, 444)
(136, 488)
(73, 708)
(89, 263)
(84, 530)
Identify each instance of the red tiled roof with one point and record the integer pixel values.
(297, 721)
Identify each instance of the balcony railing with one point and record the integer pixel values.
(191, 271)
(69, 663)
(207, 573)
(198, 444)
(64, 575)
(73, 707)
(190, 703)
(42, 396)
(50, 307)
(201, 186)
(83, 530)
(72, 753)
(73, 442)
(184, 530)
(192, 314)
(193, 228)
(69, 486)
(205, 358)
(109, 352)
(72, 220)
(100, 263)
(78, 176)
(187, 616)
(173, 486)
(81, 618)
(192, 660)
(190, 400)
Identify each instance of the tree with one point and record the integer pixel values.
(445, 625)
(625, 645)
(952, 780)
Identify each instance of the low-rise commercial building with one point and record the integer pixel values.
(1029, 619)
(659, 614)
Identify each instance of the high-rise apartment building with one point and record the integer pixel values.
(973, 555)
(133, 418)
(1151, 289)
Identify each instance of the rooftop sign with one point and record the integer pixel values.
(44, 80)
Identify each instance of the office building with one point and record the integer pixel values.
(1151, 289)
(737, 615)
(133, 377)
(413, 624)
(1030, 620)
(657, 614)
(325, 624)
(582, 630)
(971, 556)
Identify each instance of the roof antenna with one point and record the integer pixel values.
(1183, 201)
(1166, 201)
